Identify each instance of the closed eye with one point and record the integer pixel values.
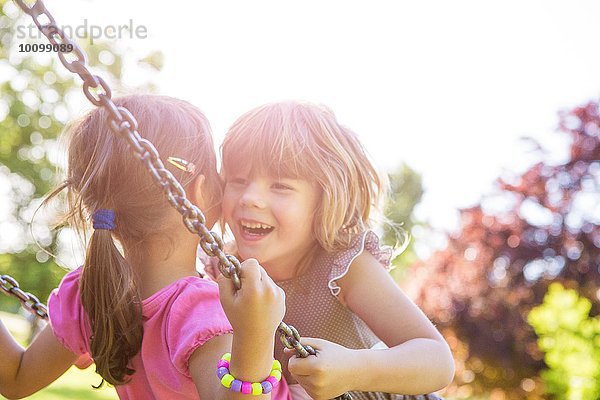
(237, 181)
(281, 186)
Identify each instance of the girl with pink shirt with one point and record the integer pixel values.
(153, 326)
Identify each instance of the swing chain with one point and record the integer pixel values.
(124, 124)
(290, 338)
(31, 303)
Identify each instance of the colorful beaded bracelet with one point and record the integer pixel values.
(256, 388)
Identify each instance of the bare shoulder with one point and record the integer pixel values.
(370, 292)
(365, 272)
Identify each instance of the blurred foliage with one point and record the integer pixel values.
(571, 341)
(499, 264)
(406, 190)
(32, 96)
(33, 110)
(154, 60)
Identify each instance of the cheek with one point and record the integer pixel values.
(228, 206)
(298, 218)
(307, 218)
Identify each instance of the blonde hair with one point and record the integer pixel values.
(103, 173)
(305, 141)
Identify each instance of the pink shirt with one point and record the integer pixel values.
(177, 319)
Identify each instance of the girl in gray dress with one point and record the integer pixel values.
(299, 193)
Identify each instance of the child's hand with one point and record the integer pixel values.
(329, 373)
(259, 306)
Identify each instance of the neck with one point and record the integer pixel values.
(288, 269)
(161, 261)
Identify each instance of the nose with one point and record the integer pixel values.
(253, 196)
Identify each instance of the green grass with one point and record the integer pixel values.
(74, 384)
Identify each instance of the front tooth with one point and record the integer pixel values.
(255, 225)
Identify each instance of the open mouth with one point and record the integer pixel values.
(255, 228)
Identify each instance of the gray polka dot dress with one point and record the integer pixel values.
(314, 309)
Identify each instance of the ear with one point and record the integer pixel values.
(195, 191)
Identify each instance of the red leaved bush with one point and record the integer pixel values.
(480, 288)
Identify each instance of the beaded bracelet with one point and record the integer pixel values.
(253, 388)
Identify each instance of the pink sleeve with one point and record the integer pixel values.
(368, 241)
(195, 317)
(67, 318)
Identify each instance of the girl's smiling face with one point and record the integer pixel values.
(271, 219)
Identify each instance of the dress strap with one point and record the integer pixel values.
(342, 260)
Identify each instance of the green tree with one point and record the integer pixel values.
(570, 340)
(33, 111)
(406, 190)
(29, 102)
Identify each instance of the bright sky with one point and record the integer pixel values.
(447, 87)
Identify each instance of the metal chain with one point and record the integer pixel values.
(123, 124)
(31, 303)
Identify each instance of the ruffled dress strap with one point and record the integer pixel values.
(367, 240)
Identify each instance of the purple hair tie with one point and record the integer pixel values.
(104, 219)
